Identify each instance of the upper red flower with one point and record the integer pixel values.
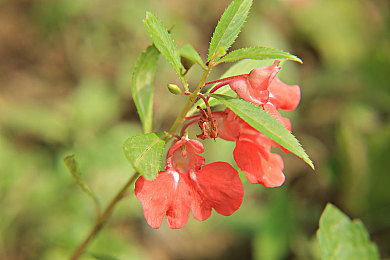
(186, 185)
(261, 86)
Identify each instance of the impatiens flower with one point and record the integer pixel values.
(263, 88)
(254, 87)
(252, 152)
(187, 184)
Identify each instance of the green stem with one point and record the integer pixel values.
(190, 102)
(185, 84)
(102, 219)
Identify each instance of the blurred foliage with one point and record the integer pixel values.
(65, 73)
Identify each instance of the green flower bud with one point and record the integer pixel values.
(174, 89)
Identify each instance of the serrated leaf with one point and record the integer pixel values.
(190, 56)
(264, 123)
(341, 238)
(73, 168)
(144, 153)
(164, 43)
(142, 87)
(259, 53)
(228, 27)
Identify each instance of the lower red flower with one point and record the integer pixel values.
(252, 152)
(186, 185)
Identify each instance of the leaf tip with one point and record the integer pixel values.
(298, 60)
(69, 157)
(309, 162)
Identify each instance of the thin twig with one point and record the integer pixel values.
(102, 219)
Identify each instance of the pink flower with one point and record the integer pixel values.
(186, 185)
(262, 87)
(252, 152)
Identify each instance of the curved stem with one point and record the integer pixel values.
(102, 219)
(225, 79)
(206, 103)
(193, 121)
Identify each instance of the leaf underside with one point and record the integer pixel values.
(144, 153)
(142, 87)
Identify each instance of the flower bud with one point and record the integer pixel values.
(174, 89)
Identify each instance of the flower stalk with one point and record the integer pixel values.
(102, 219)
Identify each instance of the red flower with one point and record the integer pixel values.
(186, 185)
(261, 86)
(252, 152)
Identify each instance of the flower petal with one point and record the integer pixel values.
(243, 90)
(179, 208)
(229, 126)
(284, 96)
(249, 158)
(183, 155)
(155, 196)
(221, 186)
(259, 164)
(272, 169)
(271, 109)
(201, 209)
(261, 78)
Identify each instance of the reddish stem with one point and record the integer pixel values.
(206, 103)
(226, 79)
(183, 130)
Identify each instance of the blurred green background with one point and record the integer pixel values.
(65, 72)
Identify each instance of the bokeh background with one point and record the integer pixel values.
(65, 73)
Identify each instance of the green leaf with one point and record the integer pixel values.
(72, 165)
(341, 238)
(189, 56)
(259, 53)
(144, 153)
(228, 28)
(164, 43)
(142, 85)
(265, 123)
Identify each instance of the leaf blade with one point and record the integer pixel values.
(142, 87)
(144, 153)
(164, 43)
(266, 124)
(73, 168)
(259, 53)
(341, 238)
(229, 27)
(189, 54)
